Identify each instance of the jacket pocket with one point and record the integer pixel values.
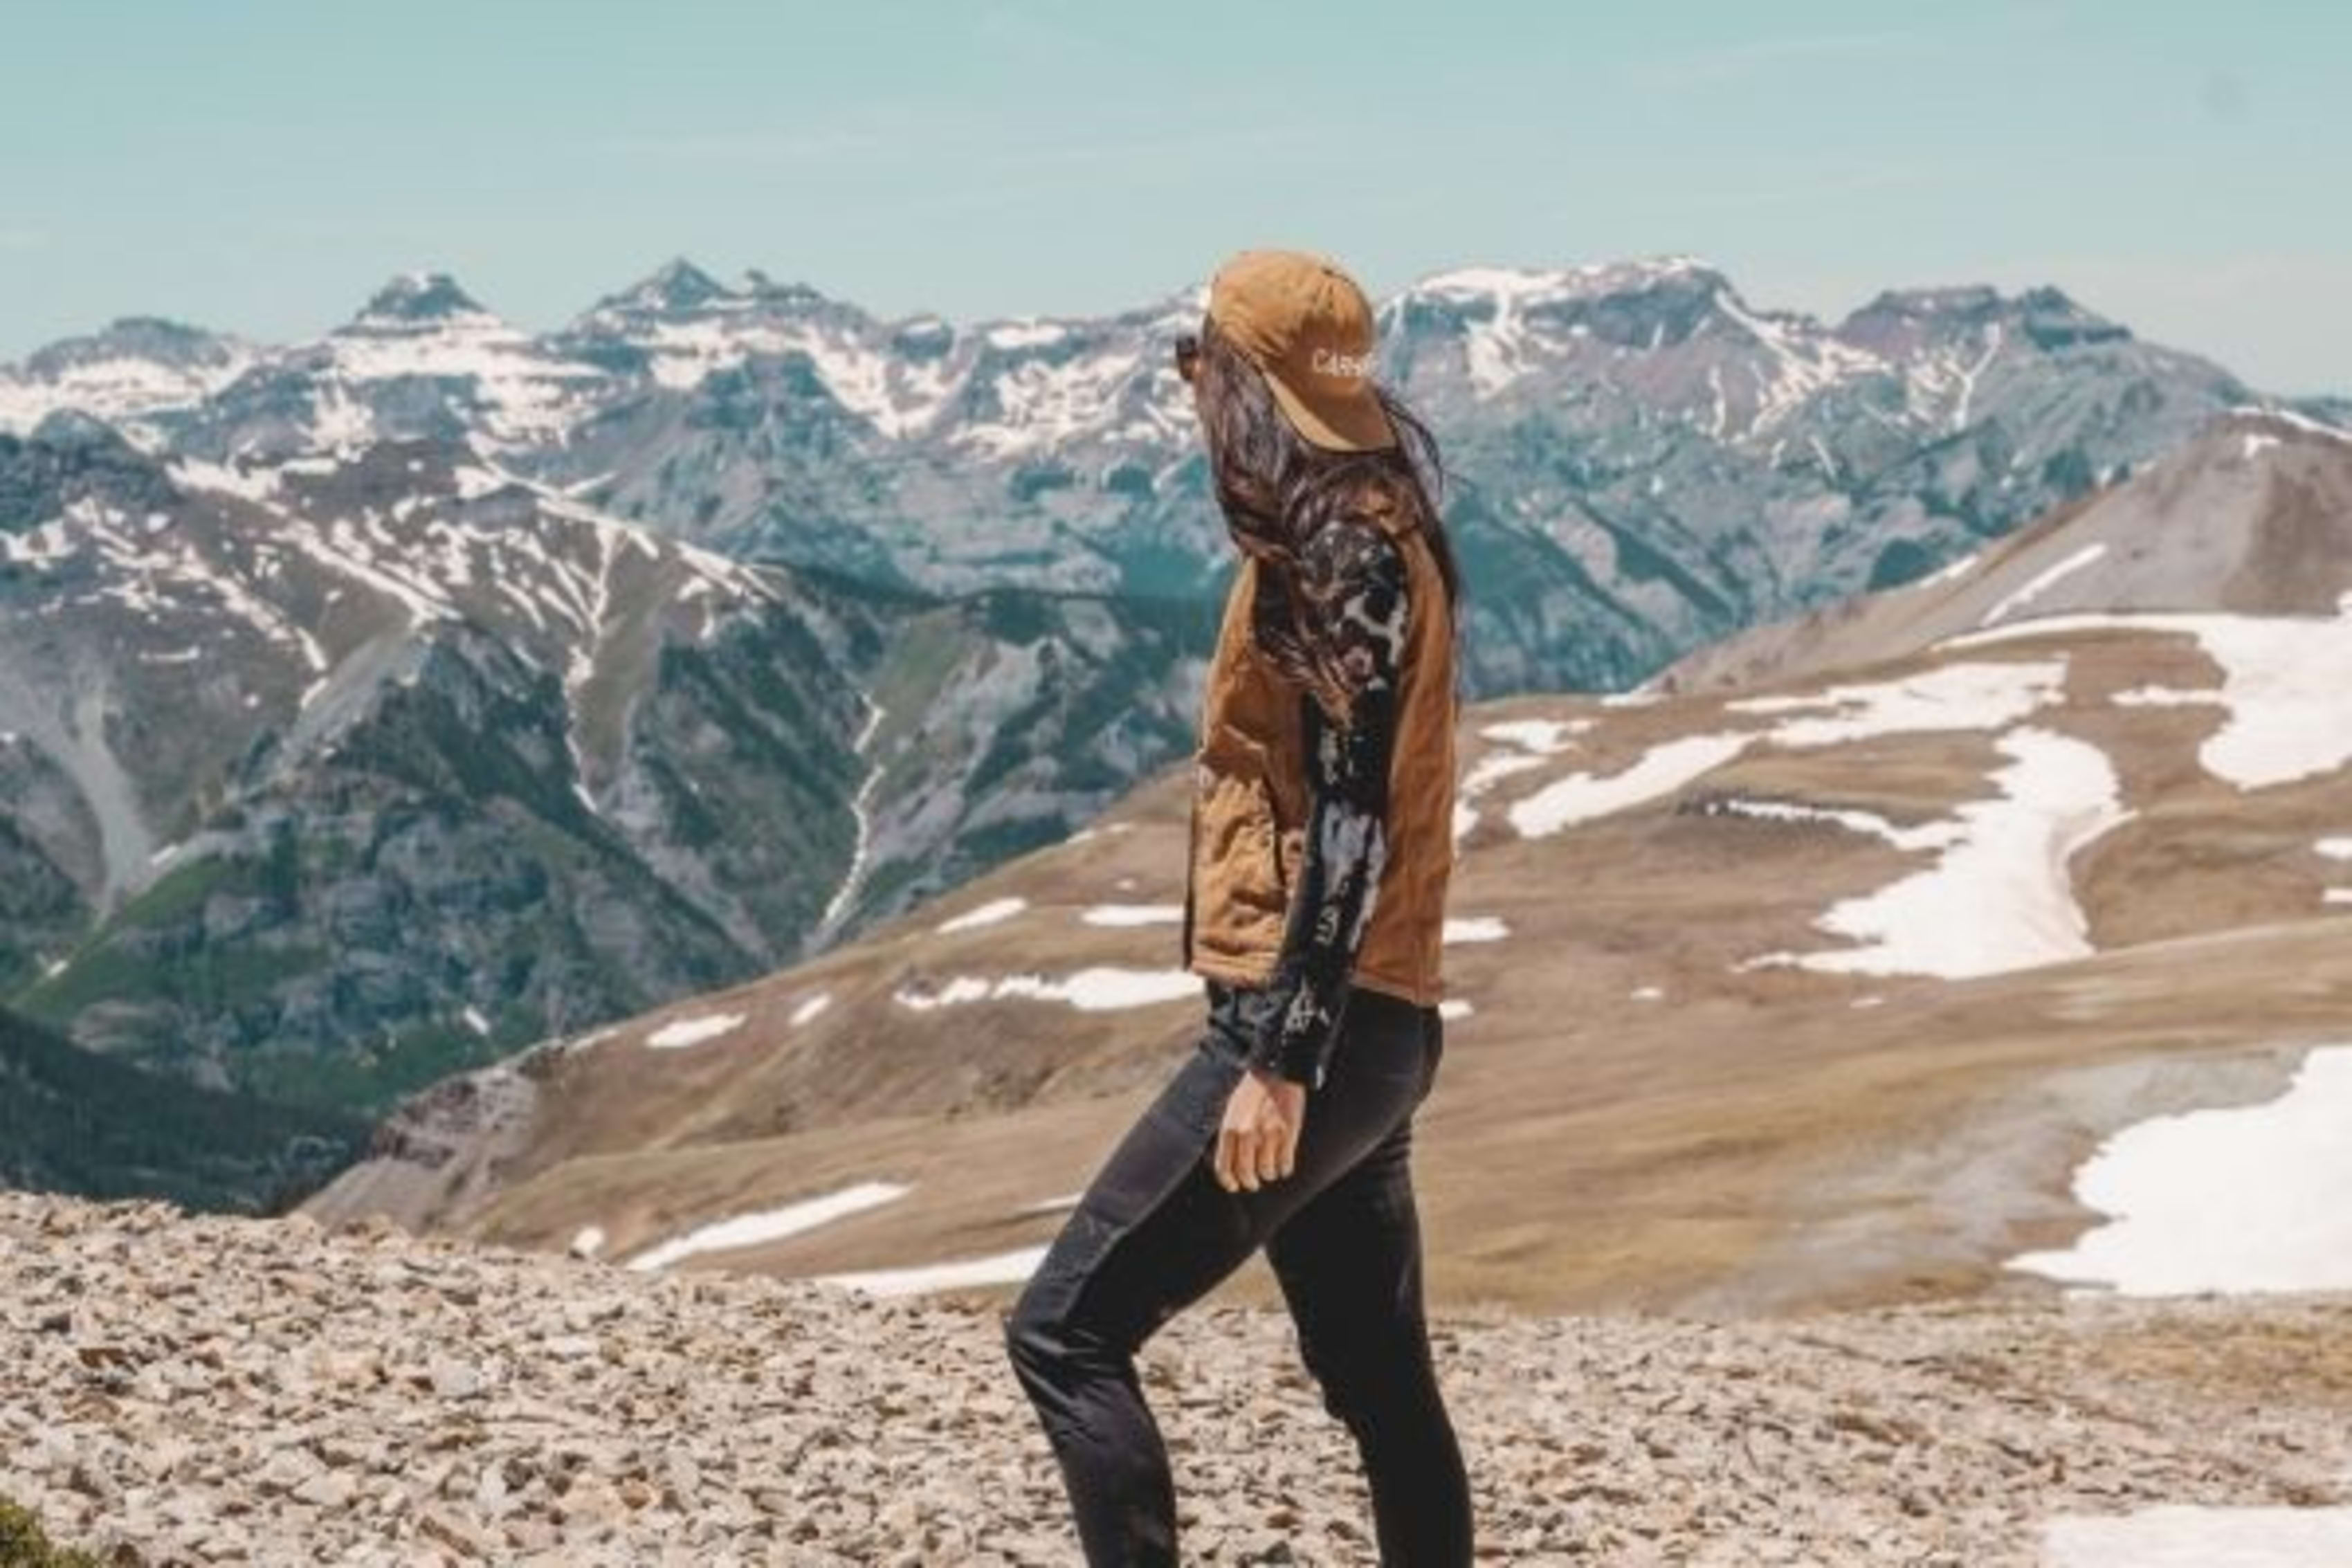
(1240, 896)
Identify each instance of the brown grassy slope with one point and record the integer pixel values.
(1746, 1137)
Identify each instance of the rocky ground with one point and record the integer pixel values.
(215, 1389)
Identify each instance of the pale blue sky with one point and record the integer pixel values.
(262, 167)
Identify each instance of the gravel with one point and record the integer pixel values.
(195, 1389)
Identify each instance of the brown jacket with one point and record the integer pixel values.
(1250, 799)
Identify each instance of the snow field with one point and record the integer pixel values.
(2234, 1198)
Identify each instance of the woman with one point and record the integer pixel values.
(1321, 841)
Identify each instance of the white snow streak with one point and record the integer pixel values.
(770, 1225)
(1133, 914)
(1092, 990)
(2043, 583)
(1950, 696)
(2001, 898)
(1580, 797)
(685, 1032)
(860, 807)
(1542, 736)
(993, 1269)
(986, 914)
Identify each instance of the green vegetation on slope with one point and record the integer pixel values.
(25, 1544)
(72, 1121)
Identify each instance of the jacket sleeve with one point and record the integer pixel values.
(1292, 1021)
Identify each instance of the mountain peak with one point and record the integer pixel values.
(152, 339)
(1636, 275)
(2048, 316)
(421, 297)
(768, 291)
(677, 285)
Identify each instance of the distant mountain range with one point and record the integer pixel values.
(1647, 461)
(374, 706)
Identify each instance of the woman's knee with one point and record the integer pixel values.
(1035, 1336)
(1369, 1373)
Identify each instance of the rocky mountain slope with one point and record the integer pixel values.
(190, 1390)
(327, 776)
(2254, 516)
(1810, 992)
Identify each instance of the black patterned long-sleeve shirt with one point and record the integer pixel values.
(1289, 1025)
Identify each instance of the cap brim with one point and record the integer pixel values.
(1349, 425)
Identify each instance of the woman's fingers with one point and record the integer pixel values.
(1255, 1146)
(1270, 1141)
(1245, 1158)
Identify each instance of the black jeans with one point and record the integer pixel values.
(1154, 1232)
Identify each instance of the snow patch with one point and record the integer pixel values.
(2189, 1535)
(808, 1010)
(1927, 835)
(993, 1269)
(1580, 797)
(1950, 696)
(861, 809)
(770, 1225)
(1093, 990)
(2281, 683)
(987, 914)
(1477, 928)
(2043, 582)
(684, 1032)
(1025, 334)
(2241, 1198)
(1133, 914)
(1953, 572)
(1542, 736)
(2001, 898)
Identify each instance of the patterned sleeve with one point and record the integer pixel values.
(1291, 1023)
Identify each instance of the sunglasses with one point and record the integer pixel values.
(1188, 353)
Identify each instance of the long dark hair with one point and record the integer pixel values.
(1278, 490)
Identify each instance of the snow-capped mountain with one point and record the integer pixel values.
(324, 776)
(136, 367)
(421, 361)
(1645, 459)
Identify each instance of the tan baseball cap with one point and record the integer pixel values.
(1308, 328)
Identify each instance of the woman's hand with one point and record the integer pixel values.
(1258, 1140)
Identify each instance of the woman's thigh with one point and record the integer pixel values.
(1146, 1236)
(1155, 1231)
